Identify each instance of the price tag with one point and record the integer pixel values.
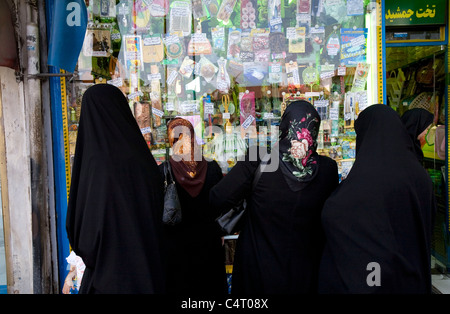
(170, 106)
(342, 70)
(156, 76)
(291, 33)
(226, 115)
(267, 115)
(135, 94)
(146, 130)
(248, 122)
(334, 113)
(157, 112)
(117, 82)
(321, 103)
(208, 108)
(172, 77)
(312, 94)
(325, 75)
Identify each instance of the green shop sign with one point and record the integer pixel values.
(409, 12)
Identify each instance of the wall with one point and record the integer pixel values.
(15, 182)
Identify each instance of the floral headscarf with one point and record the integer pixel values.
(298, 143)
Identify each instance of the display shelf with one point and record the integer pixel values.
(436, 54)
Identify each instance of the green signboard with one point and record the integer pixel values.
(409, 12)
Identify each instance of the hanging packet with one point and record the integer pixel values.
(180, 17)
(225, 10)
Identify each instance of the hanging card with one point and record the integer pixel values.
(296, 36)
(225, 10)
(133, 51)
(153, 49)
(277, 44)
(234, 40)
(274, 15)
(142, 114)
(97, 42)
(218, 38)
(212, 6)
(197, 9)
(360, 79)
(248, 14)
(275, 72)
(247, 112)
(207, 69)
(107, 8)
(261, 42)
(174, 47)
(187, 67)
(353, 45)
(317, 34)
(199, 45)
(223, 80)
(355, 7)
(303, 6)
(293, 78)
(180, 17)
(255, 72)
(159, 8)
(141, 15)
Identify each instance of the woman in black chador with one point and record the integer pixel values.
(195, 255)
(378, 222)
(417, 122)
(281, 241)
(115, 202)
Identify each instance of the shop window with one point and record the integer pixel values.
(231, 67)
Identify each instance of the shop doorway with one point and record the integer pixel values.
(416, 78)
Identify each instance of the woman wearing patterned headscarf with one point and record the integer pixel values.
(281, 241)
(196, 257)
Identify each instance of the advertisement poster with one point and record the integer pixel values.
(353, 45)
(133, 51)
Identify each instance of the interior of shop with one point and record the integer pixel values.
(416, 78)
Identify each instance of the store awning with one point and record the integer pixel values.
(68, 28)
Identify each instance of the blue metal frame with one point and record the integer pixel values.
(59, 162)
(383, 39)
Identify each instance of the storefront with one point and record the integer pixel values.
(231, 67)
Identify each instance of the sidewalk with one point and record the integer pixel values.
(441, 284)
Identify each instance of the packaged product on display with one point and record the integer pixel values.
(231, 65)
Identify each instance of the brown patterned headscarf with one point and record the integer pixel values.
(188, 165)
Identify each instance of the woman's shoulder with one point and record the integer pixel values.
(162, 165)
(213, 165)
(326, 161)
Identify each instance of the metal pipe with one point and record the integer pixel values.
(45, 75)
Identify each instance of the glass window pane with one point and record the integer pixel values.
(231, 67)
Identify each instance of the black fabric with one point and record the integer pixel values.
(299, 129)
(382, 212)
(279, 247)
(416, 121)
(116, 199)
(195, 255)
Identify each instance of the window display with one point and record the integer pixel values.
(231, 67)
